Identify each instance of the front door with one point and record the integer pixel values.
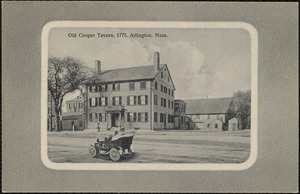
(113, 120)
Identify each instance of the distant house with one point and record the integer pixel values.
(74, 118)
(180, 115)
(233, 124)
(209, 114)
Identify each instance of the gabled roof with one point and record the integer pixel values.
(127, 74)
(208, 106)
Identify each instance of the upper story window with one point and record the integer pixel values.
(176, 106)
(103, 88)
(93, 101)
(162, 88)
(103, 101)
(169, 91)
(169, 104)
(165, 90)
(143, 100)
(155, 100)
(172, 104)
(165, 102)
(93, 88)
(143, 85)
(216, 126)
(116, 87)
(162, 75)
(155, 85)
(117, 100)
(131, 85)
(131, 100)
(131, 117)
(172, 92)
(70, 105)
(161, 102)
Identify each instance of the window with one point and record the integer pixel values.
(116, 87)
(102, 101)
(165, 102)
(131, 100)
(161, 75)
(161, 117)
(155, 117)
(161, 102)
(169, 104)
(103, 88)
(93, 101)
(169, 118)
(80, 123)
(142, 117)
(208, 125)
(216, 126)
(93, 117)
(162, 88)
(155, 100)
(176, 106)
(165, 90)
(155, 84)
(172, 93)
(169, 91)
(93, 88)
(172, 118)
(131, 85)
(172, 105)
(143, 85)
(181, 118)
(131, 117)
(102, 117)
(143, 100)
(70, 105)
(117, 100)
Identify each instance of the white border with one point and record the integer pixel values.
(149, 166)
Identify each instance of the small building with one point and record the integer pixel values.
(179, 114)
(212, 113)
(233, 124)
(74, 118)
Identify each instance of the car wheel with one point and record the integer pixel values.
(93, 151)
(114, 154)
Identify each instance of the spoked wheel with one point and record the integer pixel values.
(114, 154)
(93, 152)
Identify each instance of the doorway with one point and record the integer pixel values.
(115, 119)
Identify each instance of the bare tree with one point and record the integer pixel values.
(64, 76)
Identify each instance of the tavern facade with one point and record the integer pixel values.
(137, 97)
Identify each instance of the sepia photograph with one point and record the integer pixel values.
(150, 95)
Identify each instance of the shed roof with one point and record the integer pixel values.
(208, 106)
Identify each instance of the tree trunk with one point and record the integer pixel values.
(58, 127)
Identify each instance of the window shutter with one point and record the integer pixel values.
(106, 101)
(120, 100)
(96, 103)
(139, 100)
(134, 100)
(90, 102)
(128, 100)
(139, 117)
(146, 99)
(113, 101)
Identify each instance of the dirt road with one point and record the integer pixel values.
(157, 147)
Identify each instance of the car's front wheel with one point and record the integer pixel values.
(93, 151)
(114, 154)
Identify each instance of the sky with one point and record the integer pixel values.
(202, 62)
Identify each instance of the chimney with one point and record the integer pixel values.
(156, 61)
(98, 67)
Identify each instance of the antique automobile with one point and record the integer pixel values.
(116, 146)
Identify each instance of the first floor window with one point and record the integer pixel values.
(80, 123)
(142, 117)
(169, 118)
(172, 104)
(172, 118)
(155, 117)
(131, 117)
(93, 117)
(102, 117)
(161, 117)
(216, 126)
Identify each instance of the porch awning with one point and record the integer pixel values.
(115, 109)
